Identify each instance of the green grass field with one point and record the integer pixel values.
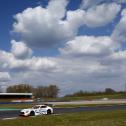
(99, 118)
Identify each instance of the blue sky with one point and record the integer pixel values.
(76, 44)
(9, 8)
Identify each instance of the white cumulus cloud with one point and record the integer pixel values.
(10, 62)
(90, 3)
(101, 15)
(89, 45)
(83, 62)
(43, 27)
(119, 33)
(20, 50)
(57, 8)
(4, 76)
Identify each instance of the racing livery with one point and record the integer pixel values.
(37, 110)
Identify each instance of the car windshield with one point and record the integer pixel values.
(36, 107)
(43, 106)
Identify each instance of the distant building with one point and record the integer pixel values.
(16, 97)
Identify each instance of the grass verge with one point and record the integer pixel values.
(99, 118)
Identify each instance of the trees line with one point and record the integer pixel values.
(107, 91)
(50, 91)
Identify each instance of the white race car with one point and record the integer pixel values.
(37, 110)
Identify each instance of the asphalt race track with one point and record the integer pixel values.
(15, 113)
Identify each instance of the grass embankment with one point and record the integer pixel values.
(15, 106)
(88, 105)
(99, 118)
(89, 96)
(96, 96)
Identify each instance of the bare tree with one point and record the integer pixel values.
(41, 91)
(46, 91)
(20, 88)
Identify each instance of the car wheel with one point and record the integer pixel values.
(49, 112)
(32, 113)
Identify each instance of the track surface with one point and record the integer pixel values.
(15, 113)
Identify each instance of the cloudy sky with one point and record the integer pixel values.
(75, 44)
